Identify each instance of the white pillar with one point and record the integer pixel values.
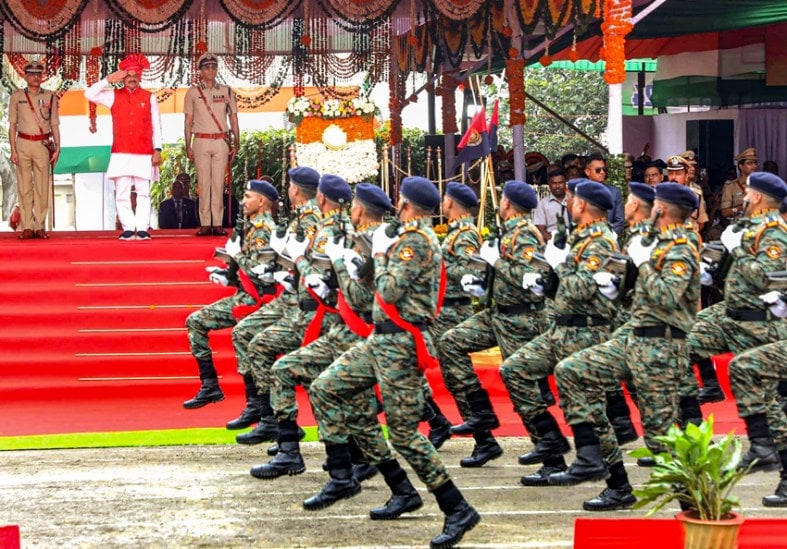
(615, 119)
(518, 138)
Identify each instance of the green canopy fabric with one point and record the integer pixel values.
(93, 159)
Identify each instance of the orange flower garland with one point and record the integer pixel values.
(311, 128)
(515, 74)
(616, 25)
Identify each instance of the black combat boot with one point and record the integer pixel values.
(483, 419)
(362, 469)
(779, 498)
(342, 483)
(268, 428)
(209, 391)
(460, 517)
(439, 426)
(273, 449)
(541, 477)
(620, 417)
(486, 449)
(764, 452)
(588, 464)
(689, 411)
(617, 495)
(546, 392)
(252, 413)
(404, 497)
(711, 390)
(551, 442)
(288, 460)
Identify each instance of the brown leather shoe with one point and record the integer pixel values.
(219, 231)
(204, 231)
(41, 233)
(27, 234)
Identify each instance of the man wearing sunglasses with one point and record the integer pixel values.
(596, 170)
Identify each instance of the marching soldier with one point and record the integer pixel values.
(34, 135)
(516, 318)
(212, 140)
(647, 351)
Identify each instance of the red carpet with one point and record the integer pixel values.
(93, 339)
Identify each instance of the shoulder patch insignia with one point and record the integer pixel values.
(774, 252)
(259, 243)
(321, 246)
(406, 254)
(528, 252)
(471, 251)
(310, 232)
(593, 262)
(679, 268)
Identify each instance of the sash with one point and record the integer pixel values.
(352, 319)
(315, 326)
(241, 311)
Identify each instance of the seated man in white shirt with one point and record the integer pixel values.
(550, 207)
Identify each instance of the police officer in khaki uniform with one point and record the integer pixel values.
(733, 190)
(678, 172)
(212, 139)
(33, 122)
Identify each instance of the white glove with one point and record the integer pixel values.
(278, 244)
(606, 285)
(264, 272)
(638, 252)
(473, 285)
(232, 247)
(554, 255)
(352, 262)
(297, 249)
(706, 279)
(218, 278)
(777, 305)
(334, 250)
(317, 284)
(532, 282)
(489, 252)
(285, 279)
(730, 238)
(381, 242)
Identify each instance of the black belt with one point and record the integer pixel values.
(521, 308)
(580, 320)
(659, 331)
(308, 305)
(747, 314)
(448, 301)
(366, 317)
(388, 327)
(267, 290)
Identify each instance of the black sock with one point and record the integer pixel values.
(585, 435)
(545, 423)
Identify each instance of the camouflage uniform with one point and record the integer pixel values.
(648, 350)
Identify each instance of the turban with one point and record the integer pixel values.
(135, 62)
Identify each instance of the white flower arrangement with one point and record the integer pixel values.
(298, 108)
(301, 107)
(363, 106)
(356, 162)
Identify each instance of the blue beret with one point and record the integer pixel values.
(462, 194)
(595, 193)
(373, 196)
(572, 183)
(335, 188)
(642, 191)
(675, 193)
(768, 183)
(304, 176)
(264, 188)
(421, 191)
(521, 194)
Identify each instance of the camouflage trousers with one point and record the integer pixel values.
(252, 325)
(755, 376)
(278, 339)
(537, 359)
(390, 361)
(482, 331)
(215, 316)
(302, 366)
(653, 365)
(449, 317)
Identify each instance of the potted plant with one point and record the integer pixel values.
(700, 474)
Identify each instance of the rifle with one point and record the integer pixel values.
(561, 236)
(231, 271)
(623, 268)
(495, 233)
(718, 258)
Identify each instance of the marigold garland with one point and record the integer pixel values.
(448, 85)
(515, 74)
(310, 129)
(616, 25)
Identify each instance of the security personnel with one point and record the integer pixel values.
(583, 316)
(407, 279)
(517, 317)
(678, 172)
(302, 192)
(212, 140)
(732, 192)
(742, 321)
(647, 351)
(461, 243)
(34, 120)
(258, 201)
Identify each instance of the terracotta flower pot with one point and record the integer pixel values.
(710, 534)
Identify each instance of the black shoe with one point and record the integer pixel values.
(396, 506)
(463, 519)
(273, 449)
(143, 235)
(762, 454)
(287, 462)
(552, 444)
(206, 395)
(439, 431)
(266, 431)
(364, 471)
(127, 235)
(541, 477)
(336, 489)
(481, 421)
(588, 466)
(779, 499)
(646, 462)
(710, 392)
(611, 499)
(482, 453)
(248, 417)
(624, 430)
